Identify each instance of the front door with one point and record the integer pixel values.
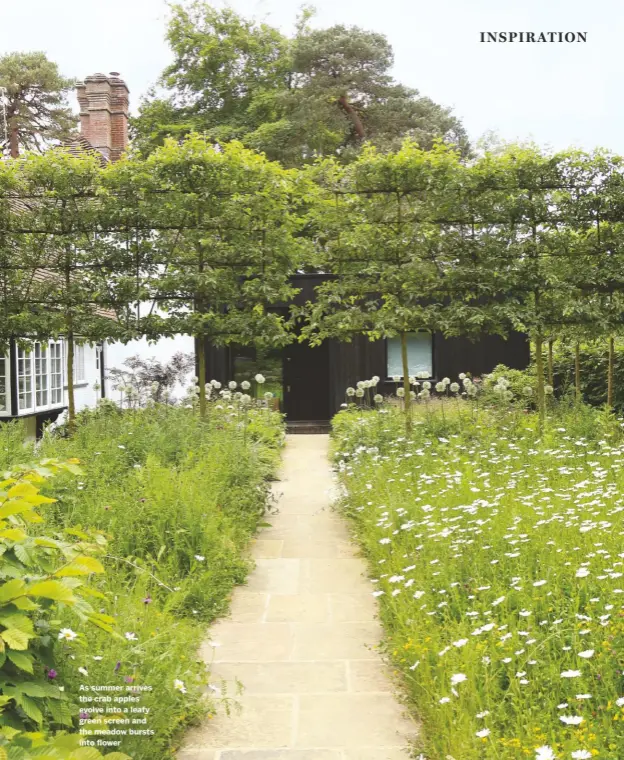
(306, 382)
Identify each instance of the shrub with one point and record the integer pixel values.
(178, 498)
(593, 366)
(42, 576)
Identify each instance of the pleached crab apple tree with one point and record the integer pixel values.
(224, 246)
(62, 223)
(592, 211)
(517, 211)
(378, 234)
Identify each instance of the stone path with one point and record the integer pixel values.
(300, 638)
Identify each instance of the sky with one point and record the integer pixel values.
(558, 95)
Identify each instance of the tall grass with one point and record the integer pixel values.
(497, 556)
(179, 499)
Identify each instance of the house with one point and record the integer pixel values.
(33, 380)
(310, 382)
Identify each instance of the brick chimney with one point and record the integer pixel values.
(103, 100)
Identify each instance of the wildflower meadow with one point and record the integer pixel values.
(497, 556)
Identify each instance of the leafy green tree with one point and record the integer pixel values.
(321, 92)
(33, 95)
(392, 261)
(54, 256)
(222, 245)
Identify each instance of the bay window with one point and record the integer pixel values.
(39, 376)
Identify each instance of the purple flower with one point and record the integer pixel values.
(83, 715)
(52, 673)
(128, 679)
(117, 667)
(147, 600)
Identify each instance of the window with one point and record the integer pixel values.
(39, 377)
(41, 374)
(79, 363)
(5, 399)
(24, 380)
(419, 355)
(56, 374)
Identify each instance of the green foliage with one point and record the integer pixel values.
(500, 612)
(28, 746)
(197, 490)
(37, 111)
(321, 92)
(593, 366)
(40, 576)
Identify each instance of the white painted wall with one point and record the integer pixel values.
(84, 392)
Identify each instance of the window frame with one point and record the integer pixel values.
(80, 378)
(398, 338)
(7, 411)
(35, 408)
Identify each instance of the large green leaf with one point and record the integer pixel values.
(19, 621)
(12, 589)
(21, 660)
(30, 707)
(15, 638)
(51, 590)
(81, 565)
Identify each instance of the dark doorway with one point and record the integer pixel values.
(306, 382)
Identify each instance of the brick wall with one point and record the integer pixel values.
(103, 100)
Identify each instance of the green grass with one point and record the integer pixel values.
(179, 499)
(497, 556)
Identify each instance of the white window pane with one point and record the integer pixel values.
(419, 355)
(79, 364)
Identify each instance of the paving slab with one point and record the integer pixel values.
(302, 637)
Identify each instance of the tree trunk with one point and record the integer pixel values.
(201, 374)
(577, 371)
(539, 364)
(71, 401)
(13, 139)
(407, 401)
(353, 115)
(551, 374)
(610, 371)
